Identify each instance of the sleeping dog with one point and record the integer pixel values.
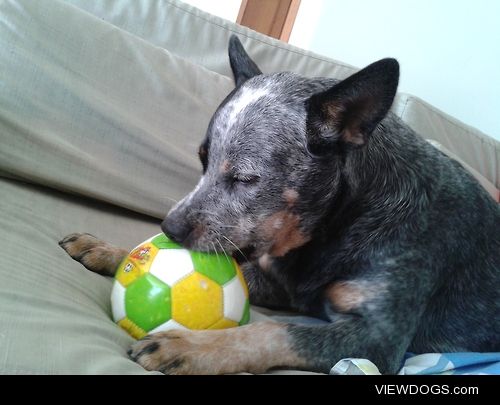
(338, 210)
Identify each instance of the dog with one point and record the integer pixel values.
(336, 209)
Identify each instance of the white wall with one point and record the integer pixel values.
(449, 50)
(227, 9)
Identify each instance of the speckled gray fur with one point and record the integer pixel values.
(383, 209)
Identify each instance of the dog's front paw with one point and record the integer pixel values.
(78, 245)
(252, 348)
(178, 352)
(94, 254)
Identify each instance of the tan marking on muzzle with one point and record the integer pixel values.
(283, 229)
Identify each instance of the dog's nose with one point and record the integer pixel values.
(176, 230)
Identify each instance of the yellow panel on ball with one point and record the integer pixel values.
(224, 324)
(132, 328)
(136, 263)
(197, 302)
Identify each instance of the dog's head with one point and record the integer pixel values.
(273, 154)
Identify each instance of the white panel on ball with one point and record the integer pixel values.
(169, 325)
(118, 301)
(234, 300)
(171, 265)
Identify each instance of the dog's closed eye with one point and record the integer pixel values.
(246, 178)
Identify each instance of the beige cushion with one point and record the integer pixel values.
(93, 110)
(202, 38)
(477, 150)
(54, 314)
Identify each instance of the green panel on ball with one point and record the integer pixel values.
(162, 242)
(246, 314)
(148, 302)
(219, 268)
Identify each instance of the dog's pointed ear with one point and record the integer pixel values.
(242, 66)
(349, 111)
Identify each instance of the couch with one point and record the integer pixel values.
(102, 107)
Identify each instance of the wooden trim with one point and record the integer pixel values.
(290, 20)
(243, 7)
(270, 17)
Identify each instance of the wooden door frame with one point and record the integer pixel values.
(270, 17)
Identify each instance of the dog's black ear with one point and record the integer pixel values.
(242, 66)
(350, 111)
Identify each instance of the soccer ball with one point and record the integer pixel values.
(161, 286)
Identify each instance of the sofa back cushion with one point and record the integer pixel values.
(93, 110)
(477, 150)
(204, 42)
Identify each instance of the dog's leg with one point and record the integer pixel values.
(253, 348)
(368, 320)
(96, 255)
(258, 347)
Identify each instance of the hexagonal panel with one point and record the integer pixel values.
(246, 314)
(132, 328)
(161, 241)
(136, 264)
(169, 325)
(223, 324)
(171, 265)
(219, 268)
(196, 302)
(143, 255)
(234, 300)
(127, 273)
(242, 279)
(148, 302)
(118, 301)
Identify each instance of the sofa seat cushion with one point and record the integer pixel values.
(55, 314)
(90, 109)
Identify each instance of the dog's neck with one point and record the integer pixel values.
(384, 186)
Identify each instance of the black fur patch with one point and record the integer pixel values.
(171, 366)
(149, 349)
(242, 66)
